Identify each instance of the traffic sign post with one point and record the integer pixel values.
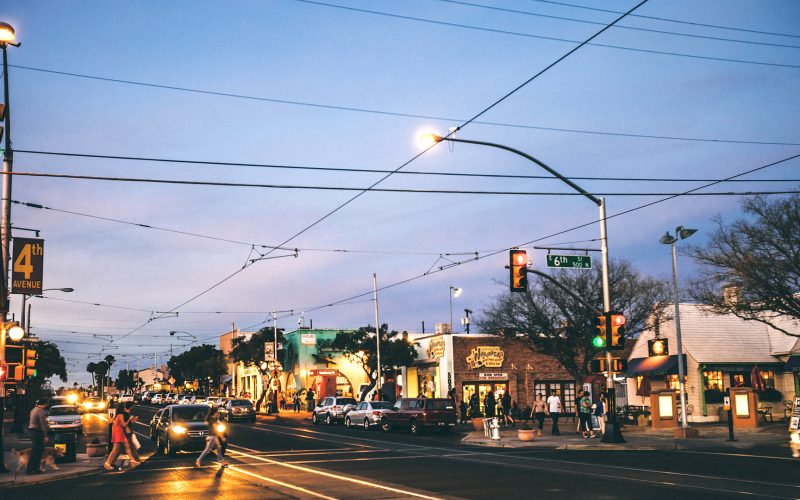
(27, 269)
(569, 261)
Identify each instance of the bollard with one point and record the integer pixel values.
(495, 427)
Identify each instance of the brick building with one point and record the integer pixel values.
(478, 363)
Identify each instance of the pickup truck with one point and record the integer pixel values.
(417, 414)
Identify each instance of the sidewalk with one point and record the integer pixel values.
(712, 437)
(83, 464)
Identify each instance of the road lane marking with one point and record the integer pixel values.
(338, 477)
(235, 468)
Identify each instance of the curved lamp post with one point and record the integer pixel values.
(680, 233)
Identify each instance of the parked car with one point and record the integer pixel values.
(171, 398)
(157, 399)
(125, 398)
(180, 428)
(220, 402)
(416, 414)
(332, 409)
(237, 409)
(65, 418)
(367, 414)
(93, 405)
(185, 400)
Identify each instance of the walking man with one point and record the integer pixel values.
(554, 405)
(38, 430)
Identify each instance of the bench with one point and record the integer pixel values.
(765, 411)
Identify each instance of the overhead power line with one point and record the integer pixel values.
(397, 113)
(405, 163)
(180, 161)
(373, 189)
(542, 37)
(619, 26)
(670, 20)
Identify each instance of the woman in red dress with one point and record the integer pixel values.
(119, 440)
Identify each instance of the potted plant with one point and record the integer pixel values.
(526, 433)
(95, 448)
(477, 423)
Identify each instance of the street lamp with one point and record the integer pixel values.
(454, 292)
(612, 434)
(25, 320)
(668, 239)
(7, 37)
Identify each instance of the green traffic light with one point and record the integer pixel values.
(599, 342)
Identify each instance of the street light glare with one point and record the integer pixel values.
(16, 333)
(428, 139)
(457, 292)
(6, 33)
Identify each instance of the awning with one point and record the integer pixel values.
(793, 365)
(654, 365)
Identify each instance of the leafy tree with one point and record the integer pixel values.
(204, 363)
(759, 257)
(250, 352)
(125, 380)
(555, 324)
(360, 347)
(50, 362)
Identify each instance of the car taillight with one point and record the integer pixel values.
(376, 413)
(335, 408)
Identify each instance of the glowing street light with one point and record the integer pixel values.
(454, 292)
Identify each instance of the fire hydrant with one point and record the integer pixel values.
(494, 425)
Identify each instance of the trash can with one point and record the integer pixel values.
(67, 442)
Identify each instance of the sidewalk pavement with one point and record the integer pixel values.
(712, 437)
(83, 465)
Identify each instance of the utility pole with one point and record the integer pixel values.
(377, 329)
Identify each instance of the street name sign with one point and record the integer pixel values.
(269, 352)
(570, 261)
(28, 266)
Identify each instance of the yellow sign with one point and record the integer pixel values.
(485, 356)
(436, 348)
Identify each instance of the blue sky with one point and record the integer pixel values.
(299, 52)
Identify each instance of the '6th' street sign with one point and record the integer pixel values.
(28, 266)
(570, 261)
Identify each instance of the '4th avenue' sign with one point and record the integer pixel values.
(27, 266)
(571, 261)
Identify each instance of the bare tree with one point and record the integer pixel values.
(758, 257)
(555, 324)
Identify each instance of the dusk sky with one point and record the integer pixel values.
(680, 92)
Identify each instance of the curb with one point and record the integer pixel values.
(10, 480)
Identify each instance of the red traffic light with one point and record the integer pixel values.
(518, 260)
(3, 372)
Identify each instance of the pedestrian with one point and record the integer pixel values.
(119, 440)
(474, 406)
(133, 443)
(490, 403)
(296, 401)
(310, 400)
(212, 440)
(508, 408)
(578, 412)
(38, 429)
(586, 416)
(501, 411)
(539, 411)
(600, 412)
(462, 408)
(283, 400)
(554, 407)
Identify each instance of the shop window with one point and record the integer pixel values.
(740, 379)
(769, 378)
(674, 382)
(427, 382)
(712, 380)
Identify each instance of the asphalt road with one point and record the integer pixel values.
(292, 459)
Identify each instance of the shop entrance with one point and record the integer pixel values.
(481, 389)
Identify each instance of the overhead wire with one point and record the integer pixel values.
(543, 37)
(396, 113)
(361, 191)
(618, 26)
(404, 164)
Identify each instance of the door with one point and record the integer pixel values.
(328, 386)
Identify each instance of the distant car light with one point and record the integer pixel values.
(178, 429)
(220, 428)
(72, 398)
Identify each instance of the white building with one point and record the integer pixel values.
(149, 376)
(720, 352)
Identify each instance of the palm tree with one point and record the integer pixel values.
(92, 368)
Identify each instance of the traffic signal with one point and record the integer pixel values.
(599, 340)
(617, 365)
(30, 361)
(615, 331)
(3, 372)
(519, 270)
(657, 347)
(19, 373)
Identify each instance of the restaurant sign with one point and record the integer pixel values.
(323, 373)
(486, 356)
(308, 339)
(436, 348)
(794, 422)
(492, 376)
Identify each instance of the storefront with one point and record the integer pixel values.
(479, 364)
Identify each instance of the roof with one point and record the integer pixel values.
(713, 338)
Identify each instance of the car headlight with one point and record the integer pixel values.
(795, 437)
(72, 398)
(220, 427)
(179, 429)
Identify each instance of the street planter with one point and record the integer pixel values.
(477, 424)
(96, 449)
(526, 434)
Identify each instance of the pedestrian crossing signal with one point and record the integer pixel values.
(617, 365)
(3, 372)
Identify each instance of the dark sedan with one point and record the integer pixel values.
(180, 428)
(237, 409)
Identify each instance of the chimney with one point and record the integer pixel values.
(731, 294)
